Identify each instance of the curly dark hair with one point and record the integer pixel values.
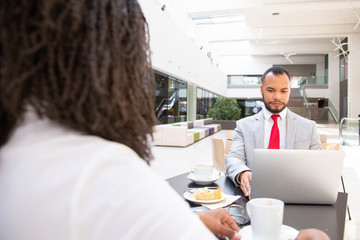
(84, 64)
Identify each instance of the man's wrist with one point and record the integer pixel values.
(237, 178)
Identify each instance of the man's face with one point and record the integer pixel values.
(275, 90)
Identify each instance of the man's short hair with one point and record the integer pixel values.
(276, 71)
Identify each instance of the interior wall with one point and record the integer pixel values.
(245, 64)
(176, 54)
(244, 93)
(354, 76)
(301, 70)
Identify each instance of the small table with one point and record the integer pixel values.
(328, 218)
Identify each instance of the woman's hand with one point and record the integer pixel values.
(219, 221)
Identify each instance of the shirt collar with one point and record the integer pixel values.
(268, 114)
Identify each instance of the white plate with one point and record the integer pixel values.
(287, 232)
(214, 178)
(191, 197)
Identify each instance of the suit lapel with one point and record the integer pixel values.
(259, 130)
(290, 130)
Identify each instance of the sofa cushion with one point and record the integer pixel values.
(196, 136)
(201, 131)
(210, 128)
(207, 131)
(208, 121)
(217, 127)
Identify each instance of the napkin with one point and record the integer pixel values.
(229, 199)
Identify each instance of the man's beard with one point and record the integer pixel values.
(274, 110)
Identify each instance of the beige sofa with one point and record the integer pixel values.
(168, 135)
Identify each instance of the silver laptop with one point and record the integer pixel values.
(297, 176)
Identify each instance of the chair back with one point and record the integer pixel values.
(323, 138)
(218, 154)
(349, 131)
(228, 141)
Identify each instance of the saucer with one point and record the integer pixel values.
(286, 233)
(214, 178)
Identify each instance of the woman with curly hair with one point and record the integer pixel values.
(76, 117)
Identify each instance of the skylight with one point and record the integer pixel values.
(223, 19)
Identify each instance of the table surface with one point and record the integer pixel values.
(328, 218)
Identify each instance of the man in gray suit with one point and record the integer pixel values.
(295, 132)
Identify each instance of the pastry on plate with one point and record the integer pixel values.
(206, 194)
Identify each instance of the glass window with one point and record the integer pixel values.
(205, 101)
(298, 81)
(171, 99)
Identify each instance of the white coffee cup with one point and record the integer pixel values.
(202, 172)
(266, 215)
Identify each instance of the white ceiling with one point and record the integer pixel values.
(266, 27)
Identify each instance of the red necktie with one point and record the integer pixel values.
(274, 142)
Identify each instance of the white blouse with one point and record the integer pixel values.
(58, 184)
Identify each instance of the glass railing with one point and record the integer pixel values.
(327, 114)
(319, 115)
(333, 111)
(304, 96)
(243, 81)
(350, 131)
(166, 104)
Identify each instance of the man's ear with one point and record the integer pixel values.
(261, 89)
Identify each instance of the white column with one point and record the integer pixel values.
(333, 80)
(354, 76)
(191, 102)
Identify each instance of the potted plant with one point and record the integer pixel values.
(225, 112)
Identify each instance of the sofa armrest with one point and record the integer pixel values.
(167, 135)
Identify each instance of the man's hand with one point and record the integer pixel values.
(245, 182)
(219, 221)
(312, 234)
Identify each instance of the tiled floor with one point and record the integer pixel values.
(171, 161)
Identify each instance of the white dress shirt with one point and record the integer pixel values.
(269, 122)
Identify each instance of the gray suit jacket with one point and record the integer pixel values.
(301, 133)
